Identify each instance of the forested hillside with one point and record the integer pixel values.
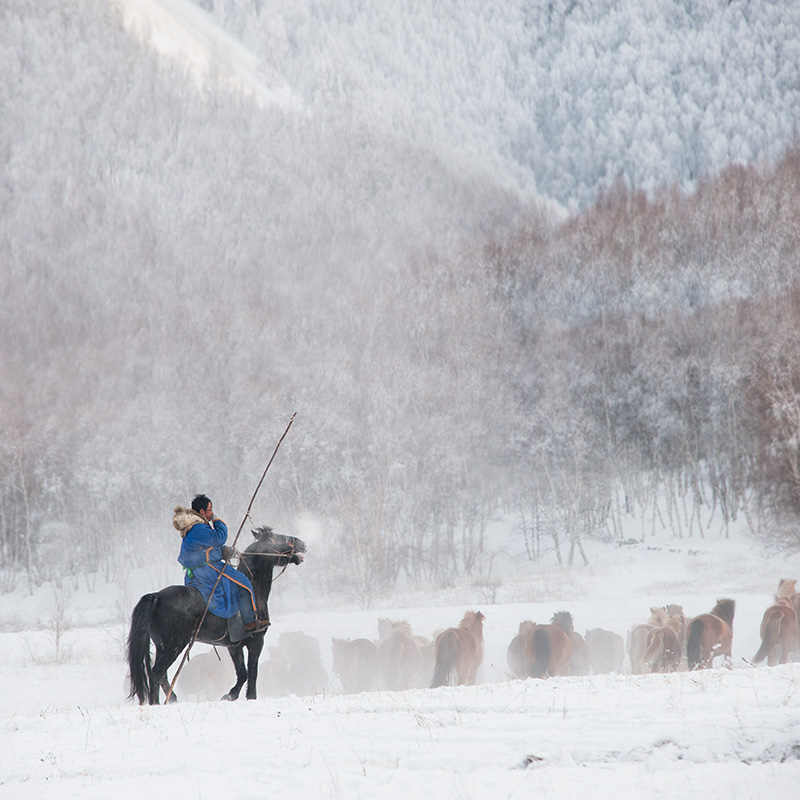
(565, 95)
(181, 269)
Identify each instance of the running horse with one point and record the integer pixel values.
(459, 652)
(606, 650)
(355, 661)
(399, 658)
(170, 618)
(579, 661)
(664, 646)
(638, 635)
(710, 635)
(779, 632)
(539, 651)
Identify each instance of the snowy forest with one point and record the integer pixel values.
(539, 260)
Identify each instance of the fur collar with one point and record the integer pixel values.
(183, 519)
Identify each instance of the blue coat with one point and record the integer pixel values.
(201, 556)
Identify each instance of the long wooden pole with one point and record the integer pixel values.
(219, 577)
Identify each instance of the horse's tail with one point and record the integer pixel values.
(446, 652)
(540, 643)
(142, 684)
(693, 648)
(655, 648)
(769, 638)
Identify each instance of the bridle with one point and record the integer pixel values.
(243, 561)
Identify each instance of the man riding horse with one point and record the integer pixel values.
(203, 557)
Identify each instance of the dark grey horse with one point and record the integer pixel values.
(171, 616)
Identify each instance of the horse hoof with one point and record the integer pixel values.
(231, 697)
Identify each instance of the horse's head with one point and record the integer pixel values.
(725, 609)
(675, 616)
(267, 542)
(473, 622)
(564, 621)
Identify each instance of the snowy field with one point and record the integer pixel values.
(68, 729)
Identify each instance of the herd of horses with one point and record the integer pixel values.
(400, 659)
(666, 642)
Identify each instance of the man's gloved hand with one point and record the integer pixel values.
(229, 552)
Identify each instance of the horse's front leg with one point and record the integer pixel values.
(237, 656)
(254, 647)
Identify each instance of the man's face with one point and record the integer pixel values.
(207, 513)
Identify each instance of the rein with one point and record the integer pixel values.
(243, 563)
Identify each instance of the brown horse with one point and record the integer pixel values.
(779, 632)
(539, 651)
(459, 651)
(386, 627)
(606, 651)
(665, 646)
(515, 654)
(302, 656)
(637, 637)
(355, 661)
(579, 661)
(710, 635)
(399, 659)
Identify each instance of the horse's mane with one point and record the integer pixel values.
(658, 615)
(564, 621)
(674, 623)
(388, 627)
(786, 588)
(675, 618)
(471, 618)
(724, 609)
(524, 625)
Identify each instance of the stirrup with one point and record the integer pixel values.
(257, 626)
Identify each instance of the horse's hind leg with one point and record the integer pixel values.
(237, 656)
(165, 657)
(173, 698)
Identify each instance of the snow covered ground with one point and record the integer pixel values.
(68, 729)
